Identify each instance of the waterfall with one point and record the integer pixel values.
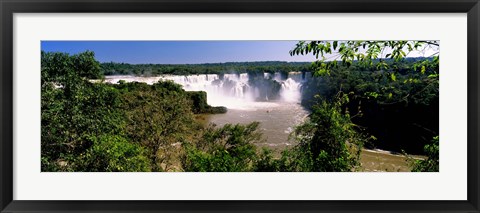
(234, 91)
(291, 90)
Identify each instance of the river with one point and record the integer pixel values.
(278, 112)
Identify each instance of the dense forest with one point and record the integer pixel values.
(402, 114)
(353, 103)
(112, 68)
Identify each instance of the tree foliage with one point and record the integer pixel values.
(73, 109)
(94, 126)
(231, 148)
(159, 117)
(431, 163)
(111, 153)
(112, 68)
(397, 94)
(367, 53)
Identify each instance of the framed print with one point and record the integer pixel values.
(239, 106)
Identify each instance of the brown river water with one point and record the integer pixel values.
(277, 121)
(277, 118)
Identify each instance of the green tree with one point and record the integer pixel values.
(114, 154)
(366, 53)
(74, 110)
(369, 54)
(231, 148)
(160, 118)
(382, 81)
(431, 163)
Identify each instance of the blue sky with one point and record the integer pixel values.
(180, 52)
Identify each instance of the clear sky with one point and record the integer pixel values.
(180, 52)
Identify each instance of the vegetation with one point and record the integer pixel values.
(400, 96)
(431, 163)
(112, 68)
(200, 105)
(157, 117)
(369, 54)
(230, 148)
(389, 109)
(89, 126)
(365, 93)
(75, 112)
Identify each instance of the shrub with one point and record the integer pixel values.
(431, 164)
(115, 154)
(230, 148)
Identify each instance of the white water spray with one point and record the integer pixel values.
(233, 90)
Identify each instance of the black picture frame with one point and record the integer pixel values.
(9, 7)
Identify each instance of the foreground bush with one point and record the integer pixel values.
(431, 164)
(115, 154)
(230, 148)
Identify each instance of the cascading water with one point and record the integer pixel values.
(271, 99)
(235, 91)
(291, 90)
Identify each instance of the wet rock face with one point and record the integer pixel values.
(265, 89)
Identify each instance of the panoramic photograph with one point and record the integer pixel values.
(240, 106)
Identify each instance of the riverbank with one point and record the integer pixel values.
(384, 161)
